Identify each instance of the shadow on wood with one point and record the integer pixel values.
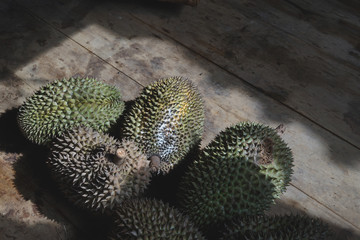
(11, 137)
(11, 229)
(337, 233)
(34, 182)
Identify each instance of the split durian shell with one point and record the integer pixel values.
(288, 227)
(166, 120)
(96, 171)
(68, 103)
(261, 145)
(241, 171)
(152, 219)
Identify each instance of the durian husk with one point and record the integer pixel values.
(87, 166)
(152, 219)
(287, 227)
(166, 120)
(236, 174)
(261, 145)
(67, 103)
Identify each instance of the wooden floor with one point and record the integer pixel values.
(295, 62)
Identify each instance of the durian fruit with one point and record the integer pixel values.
(67, 103)
(288, 227)
(216, 189)
(166, 121)
(96, 171)
(152, 219)
(261, 145)
(241, 171)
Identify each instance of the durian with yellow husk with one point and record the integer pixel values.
(67, 103)
(288, 227)
(96, 171)
(166, 121)
(152, 219)
(241, 171)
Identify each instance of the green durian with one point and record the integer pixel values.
(67, 103)
(152, 219)
(166, 120)
(216, 189)
(261, 145)
(288, 227)
(96, 171)
(241, 171)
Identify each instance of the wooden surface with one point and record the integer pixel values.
(292, 62)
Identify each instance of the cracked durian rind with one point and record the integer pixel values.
(85, 164)
(261, 145)
(241, 171)
(288, 227)
(152, 220)
(166, 120)
(67, 103)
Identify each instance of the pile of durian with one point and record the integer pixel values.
(224, 191)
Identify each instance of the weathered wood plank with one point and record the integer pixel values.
(326, 168)
(308, 62)
(331, 27)
(296, 202)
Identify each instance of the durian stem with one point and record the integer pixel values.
(280, 129)
(119, 155)
(154, 163)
